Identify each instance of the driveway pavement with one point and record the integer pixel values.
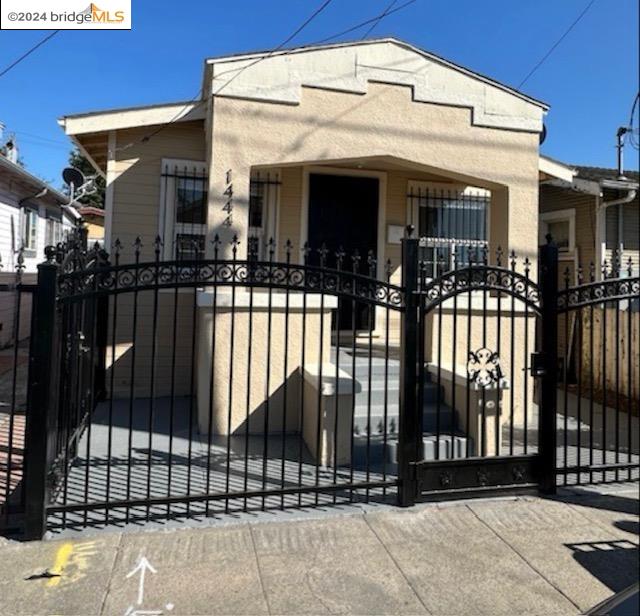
(507, 556)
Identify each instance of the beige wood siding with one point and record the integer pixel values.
(136, 210)
(553, 199)
(630, 234)
(137, 178)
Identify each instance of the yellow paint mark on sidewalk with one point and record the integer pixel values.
(63, 555)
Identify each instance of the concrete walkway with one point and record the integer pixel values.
(508, 556)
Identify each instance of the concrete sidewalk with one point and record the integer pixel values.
(509, 556)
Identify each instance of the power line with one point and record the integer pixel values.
(362, 24)
(28, 53)
(35, 136)
(630, 134)
(553, 47)
(297, 31)
(276, 49)
(375, 23)
(376, 19)
(633, 108)
(32, 142)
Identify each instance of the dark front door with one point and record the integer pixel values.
(343, 213)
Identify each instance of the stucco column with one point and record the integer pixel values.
(229, 181)
(499, 223)
(523, 218)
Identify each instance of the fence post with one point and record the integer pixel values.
(39, 396)
(409, 434)
(548, 281)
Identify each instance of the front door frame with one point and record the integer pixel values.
(381, 176)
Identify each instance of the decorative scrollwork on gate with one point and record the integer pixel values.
(481, 278)
(597, 292)
(282, 276)
(483, 367)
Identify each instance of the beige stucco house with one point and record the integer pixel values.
(381, 109)
(344, 144)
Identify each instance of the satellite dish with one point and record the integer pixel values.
(543, 134)
(73, 177)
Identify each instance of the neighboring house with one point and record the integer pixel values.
(593, 215)
(93, 218)
(32, 216)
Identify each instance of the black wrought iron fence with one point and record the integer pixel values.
(598, 402)
(167, 389)
(16, 290)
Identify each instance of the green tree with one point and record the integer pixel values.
(80, 162)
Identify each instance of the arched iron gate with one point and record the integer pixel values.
(480, 358)
(199, 387)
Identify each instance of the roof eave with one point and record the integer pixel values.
(29, 177)
(418, 50)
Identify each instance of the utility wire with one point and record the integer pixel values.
(376, 18)
(633, 108)
(28, 53)
(275, 49)
(297, 31)
(382, 16)
(553, 47)
(630, 134)
(362, 24)
(36, 136)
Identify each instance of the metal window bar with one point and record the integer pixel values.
(450, 224)
(184, 211)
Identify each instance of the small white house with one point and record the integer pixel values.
(32, 216)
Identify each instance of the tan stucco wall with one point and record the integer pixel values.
(331, 126)
(172, 362)
(239, 397)
(519, 328)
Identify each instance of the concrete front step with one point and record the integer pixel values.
(375, 417)
(380, 451)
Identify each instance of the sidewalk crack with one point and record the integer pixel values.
(103, 603)
(255, 553)
(395, 562)
(521, 556)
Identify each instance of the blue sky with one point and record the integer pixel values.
(589, 81)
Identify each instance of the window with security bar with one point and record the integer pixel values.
(263, 210)
(451, 223)
(184, 209)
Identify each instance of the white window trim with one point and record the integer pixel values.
(559, 216)
(26, 211)
(167, 227)
(271, 213)
(57, 229)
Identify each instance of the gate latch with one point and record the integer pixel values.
(537, 364)
(82, 348)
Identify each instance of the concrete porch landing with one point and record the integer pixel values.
(510, 556)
